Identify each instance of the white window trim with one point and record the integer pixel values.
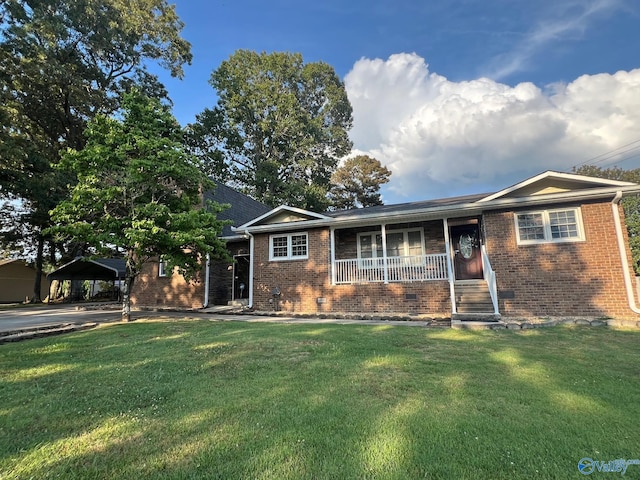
(547, 227)
(374, 246)
(162, 268)
(290, 255)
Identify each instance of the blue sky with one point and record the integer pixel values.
(453, 96)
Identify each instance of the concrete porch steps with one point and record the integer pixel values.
(243, 302)
(473, 298)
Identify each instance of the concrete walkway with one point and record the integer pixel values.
(236, 314)
(312, 320)
(36, 321)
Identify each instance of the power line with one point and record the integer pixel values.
(613, 154)
(619, 156)
(618, 161)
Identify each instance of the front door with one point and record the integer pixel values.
(241, 277)
(467, 261)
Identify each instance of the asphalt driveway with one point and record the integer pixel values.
(32, 317)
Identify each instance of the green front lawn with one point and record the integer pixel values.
(201, 399)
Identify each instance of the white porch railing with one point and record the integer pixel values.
(490, 277)
(417, 268)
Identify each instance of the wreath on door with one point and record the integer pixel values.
(467, 244)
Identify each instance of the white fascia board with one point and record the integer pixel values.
(284, 227)
(553, 174)
(257, 219)
(449, 211)
(275, 211)
(233, 238)
(302, 211)
(562, 197)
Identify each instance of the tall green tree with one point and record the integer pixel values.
(139, 192)
(356, 183)
(62, 63)
(630, 204)
(280, 124)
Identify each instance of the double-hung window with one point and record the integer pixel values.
(400, 243)
(291, 246)
(370, 249)
(548, 226)
(162, 268)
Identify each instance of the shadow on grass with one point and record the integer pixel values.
(223, 400)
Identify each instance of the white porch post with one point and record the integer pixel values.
(447, 247)
(332, 248)
(384, 253)
(251, 260)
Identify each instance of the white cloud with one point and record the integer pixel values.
(445, 137)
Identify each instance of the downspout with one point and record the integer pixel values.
(622, 248)
(251, 260)
(206, 281)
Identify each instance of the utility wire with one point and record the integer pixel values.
(619, 161)
(614, 154)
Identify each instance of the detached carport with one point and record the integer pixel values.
(81, 269)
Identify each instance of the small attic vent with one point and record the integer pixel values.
(550, 190)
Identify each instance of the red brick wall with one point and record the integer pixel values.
(303, 282)
(577, 278)
(149, 290)
(221, 274)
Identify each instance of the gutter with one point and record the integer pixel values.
(206, 281)
(623, 253)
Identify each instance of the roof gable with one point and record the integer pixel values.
(551, 182)
(91, 269)
(284, 214)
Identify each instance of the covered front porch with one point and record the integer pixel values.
(442, 250)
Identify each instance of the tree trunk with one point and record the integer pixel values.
(54, 290)
(126, 297)
(37, 286)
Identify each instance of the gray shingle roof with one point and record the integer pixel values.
(407, 207)
(243, 208)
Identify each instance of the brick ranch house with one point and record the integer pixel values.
(552, 245)
(219, 282)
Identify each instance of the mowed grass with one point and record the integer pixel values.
(201, 399)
